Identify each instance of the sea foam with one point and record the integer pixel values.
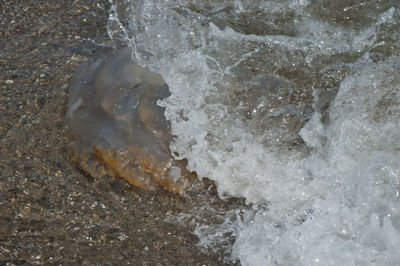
(292, 105)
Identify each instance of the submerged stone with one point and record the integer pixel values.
(121, 130)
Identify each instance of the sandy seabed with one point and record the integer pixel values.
(51, 212)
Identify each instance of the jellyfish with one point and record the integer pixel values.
(121, 130)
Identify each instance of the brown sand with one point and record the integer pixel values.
(50, 211)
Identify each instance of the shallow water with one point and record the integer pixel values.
(293, 105)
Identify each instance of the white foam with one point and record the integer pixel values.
(355, 188)
(331, 201)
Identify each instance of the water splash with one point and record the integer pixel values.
(291, 104)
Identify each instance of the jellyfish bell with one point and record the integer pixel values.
(120, 129)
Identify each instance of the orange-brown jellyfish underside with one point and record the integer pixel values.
(121, 130)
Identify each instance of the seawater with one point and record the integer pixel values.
(293, 105)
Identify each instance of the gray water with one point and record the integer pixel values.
(293, 105)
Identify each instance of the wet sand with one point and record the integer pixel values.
(51, 212)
